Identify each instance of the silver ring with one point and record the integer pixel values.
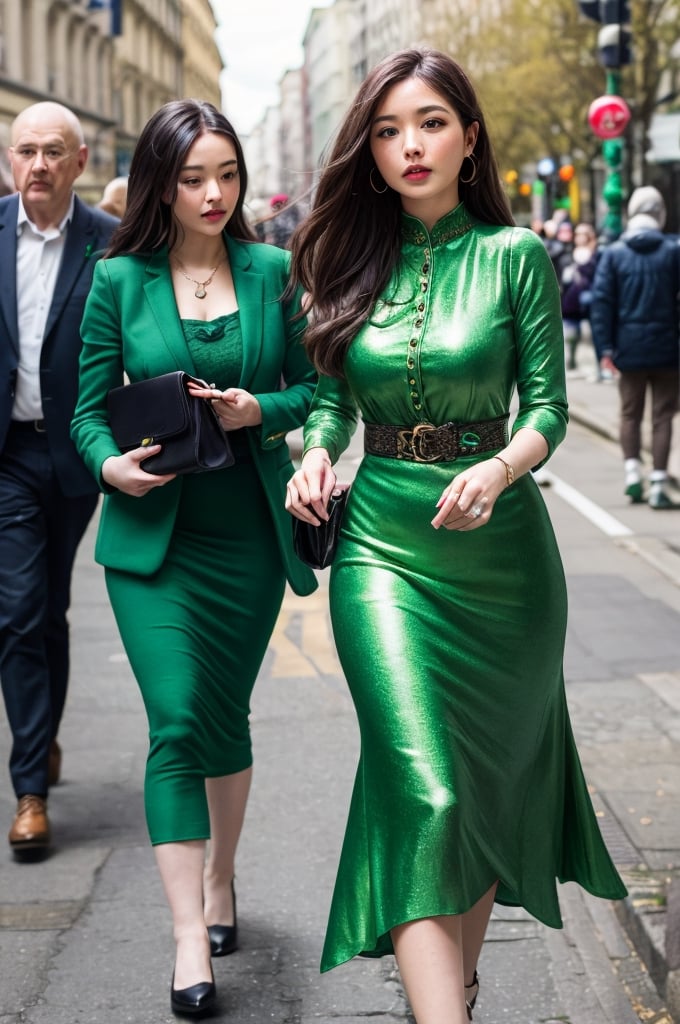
(476, 511)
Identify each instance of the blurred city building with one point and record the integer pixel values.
(147, 69)
(263, 157)
(61, 52)
(331, 64)
(202, 64)
(276, 150)
(113, 62)
(340, 44)
(295, 177)
(561, 57)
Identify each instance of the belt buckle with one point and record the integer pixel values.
(418, 444)
(39, 426)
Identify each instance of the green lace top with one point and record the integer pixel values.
(216, 348)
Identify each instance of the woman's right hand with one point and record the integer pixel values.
(309, 489)
(125, 473)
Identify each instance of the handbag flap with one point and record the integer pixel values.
(149, 411)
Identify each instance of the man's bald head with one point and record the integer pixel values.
(47, 115)
(47, 154)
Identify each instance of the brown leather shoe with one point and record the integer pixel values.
(54, 764)
(31, 828)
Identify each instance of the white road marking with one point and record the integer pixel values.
(594, 513)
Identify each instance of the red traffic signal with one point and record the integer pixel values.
(608, 116)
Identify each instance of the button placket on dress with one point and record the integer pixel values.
(414, 375)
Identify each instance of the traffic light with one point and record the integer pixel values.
(615, 12)
(511, 178)
(591, 9)
(608, 12)
(614, 38)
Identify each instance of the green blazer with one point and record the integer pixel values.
(131, 326)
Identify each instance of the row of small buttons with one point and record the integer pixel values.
(416, 389)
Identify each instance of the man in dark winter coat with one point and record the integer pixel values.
(635, 321)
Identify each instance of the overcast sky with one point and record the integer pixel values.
(259, 40)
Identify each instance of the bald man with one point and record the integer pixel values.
(49, 242)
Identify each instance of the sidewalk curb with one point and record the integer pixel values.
(578, 414)
(650, 914)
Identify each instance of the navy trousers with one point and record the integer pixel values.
(40, 529)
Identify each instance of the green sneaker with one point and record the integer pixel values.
(634, 492)
(659, 499)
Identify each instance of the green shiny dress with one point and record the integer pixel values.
(452, 643)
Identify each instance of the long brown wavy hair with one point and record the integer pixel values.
(345, 251)
(159, 156)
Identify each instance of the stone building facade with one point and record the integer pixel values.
(201, 62)
(147, 68)
(61, 51)
(113, 62)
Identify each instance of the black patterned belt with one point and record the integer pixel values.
(427, 443)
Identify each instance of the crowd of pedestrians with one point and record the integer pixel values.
(360, 307)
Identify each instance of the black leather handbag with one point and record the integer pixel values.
(160, 410)
(315, 545)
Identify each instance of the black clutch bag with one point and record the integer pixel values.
(315, 545)
(161, 411)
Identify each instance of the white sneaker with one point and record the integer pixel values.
(633, 486)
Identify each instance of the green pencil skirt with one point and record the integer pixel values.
(195, 634)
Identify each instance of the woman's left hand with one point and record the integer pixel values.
(468, 502)
(234, 407)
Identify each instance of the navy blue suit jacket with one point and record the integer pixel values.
(87, 236)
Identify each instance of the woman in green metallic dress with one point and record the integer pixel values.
(448, 597)
(196, 565)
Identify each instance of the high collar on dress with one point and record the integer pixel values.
(452, 225)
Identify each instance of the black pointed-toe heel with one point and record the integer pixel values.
(471, 993)
(224, 937)
(193, 1001)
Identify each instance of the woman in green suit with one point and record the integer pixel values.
(196, 565)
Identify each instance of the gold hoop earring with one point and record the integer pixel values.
(380, 191)
(473, 177)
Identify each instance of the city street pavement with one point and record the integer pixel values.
(85, 933)
(644, 839)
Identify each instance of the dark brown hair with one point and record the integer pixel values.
(345, 251)
(159, 156)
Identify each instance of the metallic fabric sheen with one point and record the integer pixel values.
(452, 643)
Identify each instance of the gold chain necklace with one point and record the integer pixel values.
(200, 292)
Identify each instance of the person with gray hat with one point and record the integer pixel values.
(635, 322)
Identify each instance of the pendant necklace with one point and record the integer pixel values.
(201, 286)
